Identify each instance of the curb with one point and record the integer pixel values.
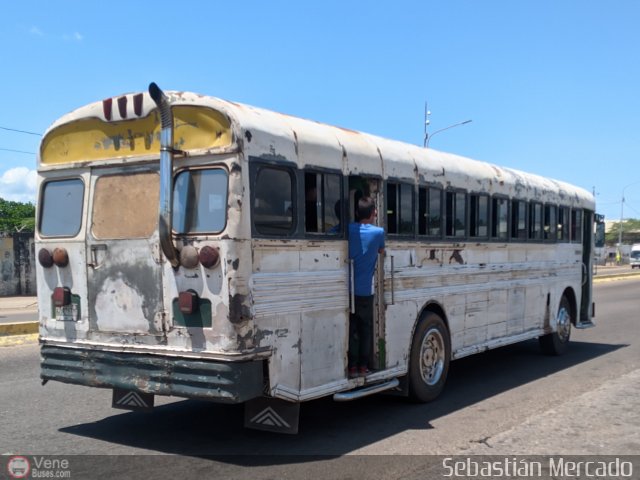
(617, 276)
(14, 340)
(19, 328)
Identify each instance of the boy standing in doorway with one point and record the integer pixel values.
(366, 241)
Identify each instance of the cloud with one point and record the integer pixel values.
(75, 36)
(18, 185)
(36, 31)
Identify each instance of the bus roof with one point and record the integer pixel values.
(128, 128)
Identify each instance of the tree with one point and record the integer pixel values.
(17, 216)
(630, 232)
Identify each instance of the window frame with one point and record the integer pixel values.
(41, 204)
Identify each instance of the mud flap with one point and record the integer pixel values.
(272, 415)
(131, 400)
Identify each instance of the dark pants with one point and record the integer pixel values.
(361, 332)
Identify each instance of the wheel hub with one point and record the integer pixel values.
(563, 324)
(432, 357)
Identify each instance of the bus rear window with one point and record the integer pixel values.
(61, 208)
(200, 201)
(113, 198)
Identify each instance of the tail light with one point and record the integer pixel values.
(188, 302)
(61, 296)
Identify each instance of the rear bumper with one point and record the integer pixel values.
(225, 382)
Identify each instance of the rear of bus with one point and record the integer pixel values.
(123, 304)
(634, 256)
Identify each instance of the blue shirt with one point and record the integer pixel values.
(364, 242)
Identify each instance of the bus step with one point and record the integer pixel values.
(582, 325)
(363, 392)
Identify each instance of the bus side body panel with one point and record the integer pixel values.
(490, 298)
(300, 303)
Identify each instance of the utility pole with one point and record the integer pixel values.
(426, 123)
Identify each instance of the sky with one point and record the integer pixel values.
(552, 87)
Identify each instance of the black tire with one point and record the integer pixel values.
(556, 343)
(430, 356)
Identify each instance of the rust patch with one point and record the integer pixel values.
(245, 341)
(239, 312)
(457, 257)
(248, 136)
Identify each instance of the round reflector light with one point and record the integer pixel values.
(45, 258)
(209, 257)
(60, 257)
(189, 257)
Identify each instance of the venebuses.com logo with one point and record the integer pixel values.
(18, 467)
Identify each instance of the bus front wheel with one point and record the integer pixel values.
(430, 355)
(556, 343)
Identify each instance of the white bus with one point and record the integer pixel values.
(195, 247)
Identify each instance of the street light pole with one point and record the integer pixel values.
(427, 138)
(622, 212)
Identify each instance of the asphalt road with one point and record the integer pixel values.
(19, 317)
(486, 394)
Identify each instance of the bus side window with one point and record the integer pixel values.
(576, 225)
(478, 216)
(455, 214)
(273, 205)
(563, 224)
(500, 218)
(519, 219)
(322, 207)
(399, 208)
(535, 217)
(550, 222)
(430, 211)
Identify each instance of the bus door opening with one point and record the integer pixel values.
(360, 187)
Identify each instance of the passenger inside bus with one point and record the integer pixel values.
(366, 241)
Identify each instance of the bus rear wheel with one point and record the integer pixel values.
(430, 356)
(556, 343)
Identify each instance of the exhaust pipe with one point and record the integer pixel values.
(166, 174)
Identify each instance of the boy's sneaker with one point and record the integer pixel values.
(353, 372)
